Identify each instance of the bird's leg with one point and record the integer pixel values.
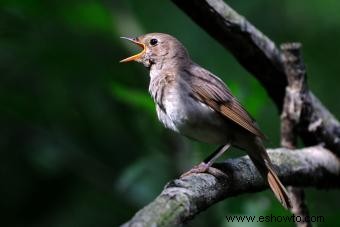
(205, 166)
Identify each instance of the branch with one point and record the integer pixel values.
(293, 101)
(292, 107)
(259, 55)
(182, 199)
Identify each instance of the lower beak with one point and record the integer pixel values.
(136, 56)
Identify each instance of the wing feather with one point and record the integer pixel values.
(212, 91)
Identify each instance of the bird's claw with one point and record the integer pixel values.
(204, 168)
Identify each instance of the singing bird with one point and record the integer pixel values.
(194, 102)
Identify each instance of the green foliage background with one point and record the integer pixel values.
(80, 144)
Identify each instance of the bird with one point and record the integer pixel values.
(195, 103)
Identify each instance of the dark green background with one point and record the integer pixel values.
(80, 144)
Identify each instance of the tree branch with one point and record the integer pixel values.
(260, 56)
(293, 101)
(182, 199)
(292, 107)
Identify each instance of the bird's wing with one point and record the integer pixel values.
(210, 90)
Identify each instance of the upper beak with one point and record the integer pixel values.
(136, 56)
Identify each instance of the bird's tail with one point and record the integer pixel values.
(278, 189)
(262, 162)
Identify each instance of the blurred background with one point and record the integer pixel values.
(80, 144)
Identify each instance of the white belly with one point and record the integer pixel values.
(193, 119)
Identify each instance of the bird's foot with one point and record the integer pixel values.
(204, 168)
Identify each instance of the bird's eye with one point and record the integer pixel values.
(153, 42)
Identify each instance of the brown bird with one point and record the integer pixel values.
(194, 102)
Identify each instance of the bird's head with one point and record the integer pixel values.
(157, 49)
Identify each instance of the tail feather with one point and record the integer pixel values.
(279, 190)
(263, 164)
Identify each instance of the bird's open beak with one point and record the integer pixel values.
(136, 56)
